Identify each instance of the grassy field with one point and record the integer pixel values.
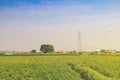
(82, 67)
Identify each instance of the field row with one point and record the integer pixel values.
(60, 67)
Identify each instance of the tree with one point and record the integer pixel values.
(103, 51)
(33, 51)
(45, 48)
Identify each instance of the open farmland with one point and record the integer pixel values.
(83, 67)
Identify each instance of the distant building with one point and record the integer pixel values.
(60, 51)
(8, 53)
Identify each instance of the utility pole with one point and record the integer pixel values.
(79, 42)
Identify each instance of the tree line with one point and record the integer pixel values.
(45, 48)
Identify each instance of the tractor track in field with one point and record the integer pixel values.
(72, 66)
(87, 73)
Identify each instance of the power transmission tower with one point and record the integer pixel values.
(79, 42)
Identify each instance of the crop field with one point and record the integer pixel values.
(82, 67)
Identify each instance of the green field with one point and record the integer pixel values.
(82, 67)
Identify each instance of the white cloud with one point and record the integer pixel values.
(42, 10)
(54, 23)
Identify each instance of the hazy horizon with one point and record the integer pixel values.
(27, 24)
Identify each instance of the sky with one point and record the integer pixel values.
(27, 24)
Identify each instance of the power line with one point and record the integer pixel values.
(105, 33)
(102, 30)
(103, 27)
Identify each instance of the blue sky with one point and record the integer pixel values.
(26, 24)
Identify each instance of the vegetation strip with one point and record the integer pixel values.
(83, 67)
(87, 73)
